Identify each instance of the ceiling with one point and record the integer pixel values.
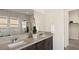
(23, 11)
(31, 11)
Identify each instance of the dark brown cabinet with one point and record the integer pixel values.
(46, 44)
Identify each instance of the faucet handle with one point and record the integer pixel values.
(14, 40)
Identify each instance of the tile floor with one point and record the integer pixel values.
(73, 45)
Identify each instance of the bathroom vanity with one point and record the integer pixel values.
(42, 45)
(44, 41)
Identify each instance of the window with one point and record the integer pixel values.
(3, 26)
(9, 26)
(3, 22)
(14, 26)
(14, 23)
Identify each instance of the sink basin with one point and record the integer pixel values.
(42, 34)
(13, 45)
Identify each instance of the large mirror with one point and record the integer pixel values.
(13, 22)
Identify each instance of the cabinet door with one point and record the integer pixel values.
(45, 44)
(48, 44)
(32, 47)
(40, 45)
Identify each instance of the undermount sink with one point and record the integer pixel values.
(42, 34)
(13, 45)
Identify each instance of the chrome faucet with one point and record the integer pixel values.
(14, 40)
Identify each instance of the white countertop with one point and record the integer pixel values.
(29, 42)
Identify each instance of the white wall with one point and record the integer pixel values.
(74, 31)
(39, 20)
(66, 28)
(56, 18)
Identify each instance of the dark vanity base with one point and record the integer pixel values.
(46, 44)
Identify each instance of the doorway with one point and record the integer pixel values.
(73, 30)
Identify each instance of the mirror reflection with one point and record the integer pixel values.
(12, 22)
